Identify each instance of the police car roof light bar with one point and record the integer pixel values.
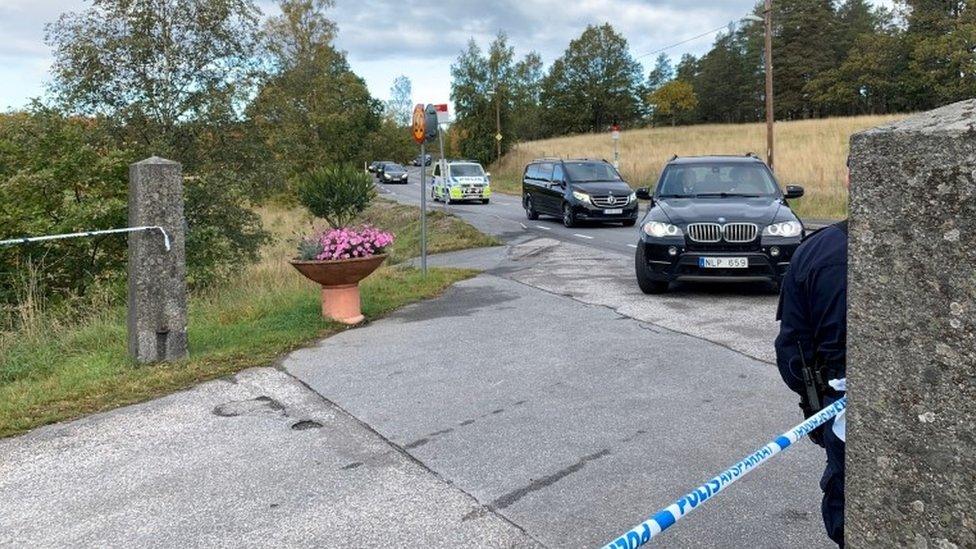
(663, 519)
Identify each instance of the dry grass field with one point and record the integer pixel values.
(810, 153)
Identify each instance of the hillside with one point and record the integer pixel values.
(810, 153)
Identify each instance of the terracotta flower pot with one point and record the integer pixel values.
(340, 284)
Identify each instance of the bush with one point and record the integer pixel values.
(62, 174)
(336, 194)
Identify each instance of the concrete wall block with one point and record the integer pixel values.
(911, 444)
(157, 313)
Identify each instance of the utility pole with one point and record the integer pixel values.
(768, 23)
(498, 126)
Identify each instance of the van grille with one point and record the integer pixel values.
(732, 232)
(609, 201)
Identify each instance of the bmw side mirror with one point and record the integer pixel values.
(643, 193)
(794, 191)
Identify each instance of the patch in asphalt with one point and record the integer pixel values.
(463, 302)
(251, 406)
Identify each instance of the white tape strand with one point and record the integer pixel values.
(664, 518)
(29, 239)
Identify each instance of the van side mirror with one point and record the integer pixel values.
(643, 193)
(793, 191)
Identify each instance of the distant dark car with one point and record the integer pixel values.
(374, 165)
(716, 218)
(577, 190)
(425, 161)
(391, 172)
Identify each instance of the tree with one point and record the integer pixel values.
(314, 111)
(489, 85)
(595, 83)
(399, 108)
(673, 99)
(661, 74)
(160, 69)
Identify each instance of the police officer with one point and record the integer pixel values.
(813, 342)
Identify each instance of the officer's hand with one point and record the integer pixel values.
(817, 436)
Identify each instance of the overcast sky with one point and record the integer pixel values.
(417, 38)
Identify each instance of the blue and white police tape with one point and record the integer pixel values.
(664, 518)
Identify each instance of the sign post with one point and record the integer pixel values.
(420, 136)
(615, 135)
(443, 117)
(424, 131)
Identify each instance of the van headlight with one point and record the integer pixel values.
(786, 229)
(582, 197)
(658, 229)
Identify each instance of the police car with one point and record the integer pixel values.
(716, 219)
(460, 181)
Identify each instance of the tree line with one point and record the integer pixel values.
(831, 58)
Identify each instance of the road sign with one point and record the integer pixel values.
(498, 137)
(443, 116)
(430, 123)
(419, 124)
(615, 132)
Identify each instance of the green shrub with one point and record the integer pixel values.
(336, 194)
(63, 174)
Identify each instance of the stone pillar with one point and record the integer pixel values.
(157, 278)
(911, 430)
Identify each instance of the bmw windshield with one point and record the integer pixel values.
(589, 172)
(395, 168)
(717, 180)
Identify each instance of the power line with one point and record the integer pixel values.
(693, 38)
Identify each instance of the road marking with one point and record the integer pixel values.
(523, 225)
(543, 228)
(632, 245)
(583, 236)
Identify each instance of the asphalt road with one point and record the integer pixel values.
(504, 217)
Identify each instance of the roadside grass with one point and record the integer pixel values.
(60, 371)
(811, 153)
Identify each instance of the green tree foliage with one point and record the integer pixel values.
(64, 174)
(674, 99)
(399, 108)
(312, 110)
(595, 83)
(162, 70)
(336, 194)
(490, 85)
(661, 74)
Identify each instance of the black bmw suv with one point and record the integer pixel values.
(577, 190)
(716, 218)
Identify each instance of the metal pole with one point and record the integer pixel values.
(768, 23)
(440, 138)
(498, 125)
(423, 209)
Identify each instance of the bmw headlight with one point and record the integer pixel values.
(386, 176)
(658, 229)
(582, 197)
(786, 229)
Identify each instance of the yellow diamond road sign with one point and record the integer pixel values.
(498, 137)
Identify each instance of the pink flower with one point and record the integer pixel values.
(349, 242)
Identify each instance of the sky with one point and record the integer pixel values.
(416, 38)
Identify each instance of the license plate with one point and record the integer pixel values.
(723, 262)
(613, 211)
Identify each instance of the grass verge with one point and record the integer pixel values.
(68, 370)
(811, 153)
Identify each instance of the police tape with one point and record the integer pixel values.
(664, 518)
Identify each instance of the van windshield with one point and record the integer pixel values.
(583, 172)
(466, 170)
